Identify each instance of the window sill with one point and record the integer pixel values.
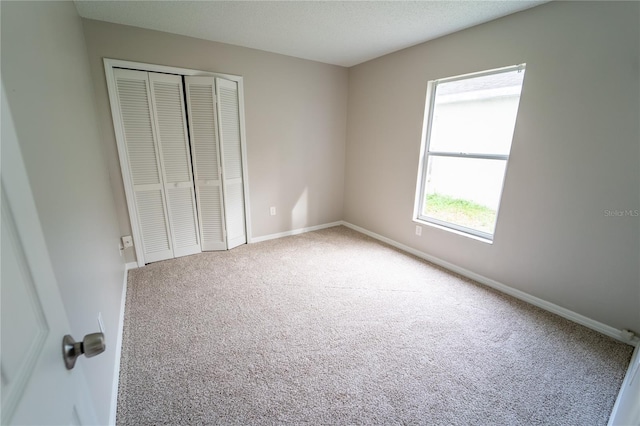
(454, 231)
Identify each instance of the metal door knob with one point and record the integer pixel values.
(92, 345)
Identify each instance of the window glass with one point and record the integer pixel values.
(476, 115)
(470, 198)
(470, 126)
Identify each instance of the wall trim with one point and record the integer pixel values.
(518, 294)
(295, 232)
(626, 410)
(116, 368)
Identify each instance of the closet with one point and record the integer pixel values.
(181, 162)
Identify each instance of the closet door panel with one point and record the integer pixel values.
(233, 187)
(167, 100)
(153, 225)
(170, 119)
(203, 128)
(143, 164)
(234, 197)
(210, 197)
(185, 230)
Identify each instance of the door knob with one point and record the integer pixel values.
(92, 345)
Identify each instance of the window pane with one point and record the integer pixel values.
(476, 115)
(464, 191)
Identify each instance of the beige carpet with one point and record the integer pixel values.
(332, 327)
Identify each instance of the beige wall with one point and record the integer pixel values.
(575, 154)
(45, 71)
(295, 121)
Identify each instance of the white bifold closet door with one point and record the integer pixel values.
(233, 186)
(214, 125)
(207, 170)
(159, 163)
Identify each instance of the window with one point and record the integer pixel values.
(469, 125)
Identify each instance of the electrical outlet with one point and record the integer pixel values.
(418, 230)
(127, 241)
(272, 211)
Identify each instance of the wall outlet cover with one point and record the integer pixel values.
(127, 241)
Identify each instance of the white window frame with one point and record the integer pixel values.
(425, 153)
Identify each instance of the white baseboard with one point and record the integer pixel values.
(295, 232)
(548, 306)
(116, 369)
(626, 410)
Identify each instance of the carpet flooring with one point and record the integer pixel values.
(333, 327)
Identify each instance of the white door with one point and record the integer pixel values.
(36, 386)
(175, 161)
(232, 172)
(184, 184)
(205, 146)
(157, 164)
(140, 164)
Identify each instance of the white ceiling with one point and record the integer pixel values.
(336, 32)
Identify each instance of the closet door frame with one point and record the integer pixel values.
(109, 66)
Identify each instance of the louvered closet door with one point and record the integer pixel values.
(203, 128)
(144, 163)
(169, 114)
(229, 119)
